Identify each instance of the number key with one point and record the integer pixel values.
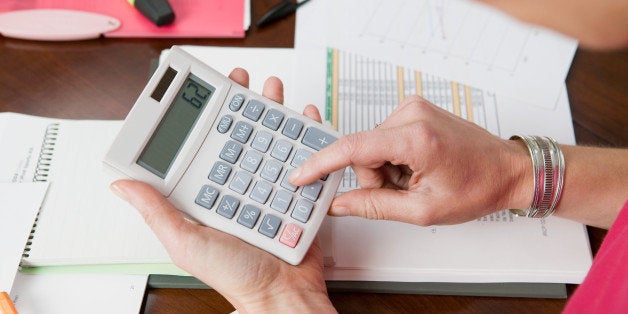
(271, 170)
(261, 191)
(262, 141)
(281, 150)
(251, 161)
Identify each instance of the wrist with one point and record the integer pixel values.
(295, 301)
(520, 188)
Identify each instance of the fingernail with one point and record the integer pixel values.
(295, 174)
(339, 211)
(118, 191)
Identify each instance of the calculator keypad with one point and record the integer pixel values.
(248, 184)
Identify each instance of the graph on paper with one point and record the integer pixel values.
(363, 91)
(460, 31)
(459, 40)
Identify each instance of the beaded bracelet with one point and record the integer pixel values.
(548, 164)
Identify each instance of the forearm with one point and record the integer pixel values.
(598, 24)
(596, 185)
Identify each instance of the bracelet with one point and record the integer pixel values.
(548, 165)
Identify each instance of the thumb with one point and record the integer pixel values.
(378, 204)
(160, 215)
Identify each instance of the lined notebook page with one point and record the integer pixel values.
(82, 221)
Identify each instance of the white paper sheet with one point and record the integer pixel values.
(19, 204)
(78, 293)
(460, 40)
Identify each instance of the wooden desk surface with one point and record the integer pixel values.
(100, 79)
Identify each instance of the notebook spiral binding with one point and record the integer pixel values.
(41, 171)
(46, 152)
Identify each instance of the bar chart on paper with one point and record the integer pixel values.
(460, 40)
(362, 92)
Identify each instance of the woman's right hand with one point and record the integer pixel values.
(425, 166)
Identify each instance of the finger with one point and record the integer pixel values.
(368, 178)
(273, 89)
(387, 176)
(240, 76)
(365, 148)
(380, 204)
(312, 112)
(160, 215)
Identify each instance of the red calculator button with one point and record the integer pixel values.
(290, 235)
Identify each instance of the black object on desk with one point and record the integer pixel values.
(279, 11)
(157, 11)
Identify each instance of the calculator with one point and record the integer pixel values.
(222, 155)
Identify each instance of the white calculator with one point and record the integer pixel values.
(222, 154)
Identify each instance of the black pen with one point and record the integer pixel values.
(279, 11)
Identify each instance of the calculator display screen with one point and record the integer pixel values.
(175, 126)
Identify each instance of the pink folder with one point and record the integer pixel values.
(193, 18)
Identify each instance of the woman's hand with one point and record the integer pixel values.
(251, 279)
(425, 166)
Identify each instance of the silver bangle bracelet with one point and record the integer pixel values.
(548, 165)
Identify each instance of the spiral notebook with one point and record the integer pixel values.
(80, 222)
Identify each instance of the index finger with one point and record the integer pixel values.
(368, 148)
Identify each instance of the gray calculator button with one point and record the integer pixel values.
(261, 191)
(251, 161)
(262, 141)
(241, 132)
(231, 151)
(225, 123)
(271, 170)
(236, 102)
(269, 226)
(317, 139)
(292, 129)
(302, 210)
(300, 156)
(281, 201)
(273, 119)
(253, 109)
(312, 190)
(286, 184)
(240, 182)
(220, 172)
(207, 196)
(248, 216)
(281, 150)
(228, 206)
